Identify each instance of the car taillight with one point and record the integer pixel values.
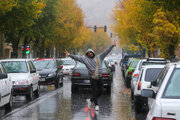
(139, 85)
(76, 74)
(130, 73)
(162, 118)
(105, 75)
(136, 75)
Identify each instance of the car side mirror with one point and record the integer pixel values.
(33, 71)
(149, 93)
(3, 76)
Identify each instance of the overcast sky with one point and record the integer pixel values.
(97, 12)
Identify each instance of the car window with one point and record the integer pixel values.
(141, 74)
(140, 65)
(151, 74)
(161, 76)
(15, 66)
(44, 64)
(80, 65)
(31, 66)
(172, 88)
(134, 64)
(67, 62)
(2, 69)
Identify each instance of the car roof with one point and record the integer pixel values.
(153, 66)
(18, 59)
(66, 59)
(44, 59)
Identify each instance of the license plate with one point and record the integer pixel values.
(42, 79)
(86, 81)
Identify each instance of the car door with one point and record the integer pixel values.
(171, 97)
(33, 75)
(3, 86)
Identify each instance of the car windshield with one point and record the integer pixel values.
(134, 64)
(152, 74)
(67, 62)
(172, 88)
(44, 64)
(15, 66)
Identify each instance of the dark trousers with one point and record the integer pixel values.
(97, 90)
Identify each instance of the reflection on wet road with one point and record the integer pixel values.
(60, 104)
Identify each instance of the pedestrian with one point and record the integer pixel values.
(94, 65)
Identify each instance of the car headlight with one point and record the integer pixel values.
(51, 74)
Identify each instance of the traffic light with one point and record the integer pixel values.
(105, 28)
(28, 49)
(22, 49)
(95, 28)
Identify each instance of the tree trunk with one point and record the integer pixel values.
(1, 45)
(42, 49)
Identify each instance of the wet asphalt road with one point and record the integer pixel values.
(60, 104)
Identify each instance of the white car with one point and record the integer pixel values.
(147, 75)
(24, 77)
(166, 99)
(140, 65)
(5, 89)
(68, 65)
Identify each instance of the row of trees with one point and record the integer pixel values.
(151, 24)
(46, 24)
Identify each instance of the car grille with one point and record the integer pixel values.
(43, 75)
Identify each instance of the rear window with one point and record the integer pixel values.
(173, 87)
(152, 74)
(154, 63)
(80, 65)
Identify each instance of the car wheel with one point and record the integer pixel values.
(36, 92)
(138, 106)
(132, 95)
(56, 83)
(8, 106)
(73, 88)
(61, 79)
(29, 96)
(108, 90)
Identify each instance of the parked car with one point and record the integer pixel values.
(147, 75)
(166, 98)
(68, 65)
(130, 69)
(50, 71)
(124, 61)
(80, 77)
(24, 77)
(111, 61)
(140, 65)
(6, 91)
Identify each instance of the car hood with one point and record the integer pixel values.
(18, 76)
(46, 71)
